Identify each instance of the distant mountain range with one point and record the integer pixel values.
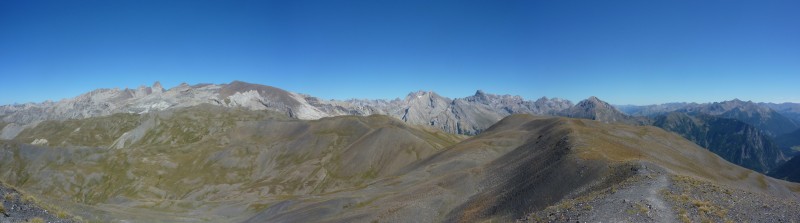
(790, 110)
(468, 115)
(765, 116)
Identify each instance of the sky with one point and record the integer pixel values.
(624, 52)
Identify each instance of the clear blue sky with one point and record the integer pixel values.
(625, 52)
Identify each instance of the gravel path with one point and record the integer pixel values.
(637, 199)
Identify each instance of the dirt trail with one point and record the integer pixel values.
(638, 199)
(662, 210)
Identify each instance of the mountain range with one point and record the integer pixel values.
(467, 116)
(242, 152)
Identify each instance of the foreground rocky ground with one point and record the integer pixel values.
(653, 195)
(17, 207)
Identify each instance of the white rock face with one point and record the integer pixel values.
(249, 99)
(39, 142)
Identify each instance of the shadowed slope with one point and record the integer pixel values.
(790, 142)
(788, 171)
(734, 140)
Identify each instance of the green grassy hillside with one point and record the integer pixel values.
(224, 161)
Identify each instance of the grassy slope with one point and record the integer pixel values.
(223, 161)
(91, 132)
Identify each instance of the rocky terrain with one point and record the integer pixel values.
(652, 195)
(16, 206)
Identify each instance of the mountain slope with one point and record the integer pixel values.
(790, 142)
(731, 139)
(226, 161)
(525, 164)
(788, 171)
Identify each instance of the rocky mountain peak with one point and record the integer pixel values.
(596, 109)
(595, 99)
(481, 96)
(594, 102)
(157, 88)
(421, 94)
